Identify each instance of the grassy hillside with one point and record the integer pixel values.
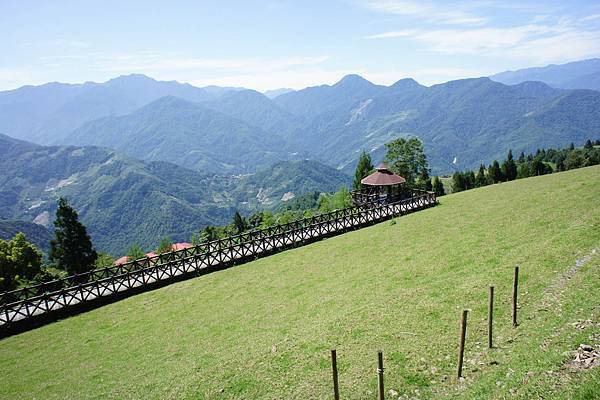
(264, 329)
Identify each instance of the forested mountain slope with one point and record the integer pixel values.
(124, 200)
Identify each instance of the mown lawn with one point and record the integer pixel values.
(264, 329)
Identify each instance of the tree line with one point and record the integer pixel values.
(542, 162)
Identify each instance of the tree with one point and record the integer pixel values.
(458, 182)
(268, 219)
(363, 168)
(208, 234)
(104, 260)
(424, 181)
(480, 179)
(523, 171)
(20, 261)
(255, 220)
(509, 167)
(239, 223)
(165, 245)
(406, 158)
(538, 167)
(336, 201)
(135, 252)
(588, 144)
(469, 178)
(71, 249)
(494, 173)
(438, 187)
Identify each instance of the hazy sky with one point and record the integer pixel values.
(271, 44)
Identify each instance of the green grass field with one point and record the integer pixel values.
(264, 329)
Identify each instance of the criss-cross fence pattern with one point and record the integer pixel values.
(23, 304)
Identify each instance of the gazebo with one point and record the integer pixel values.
(382, 185)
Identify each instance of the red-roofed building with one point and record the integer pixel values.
(121, 260)
(181, 246)
(382, 185)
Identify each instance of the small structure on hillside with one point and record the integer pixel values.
(381, 186)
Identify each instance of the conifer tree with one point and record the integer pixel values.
(239, 223)
(469, 180)
(71, 249)
(458, 182)
(509, 168)
(424, 181)
(494, 172)
(438, 187)
(363, 169)
(588, 144)
(480, 179)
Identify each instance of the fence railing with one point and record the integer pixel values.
(50, 296)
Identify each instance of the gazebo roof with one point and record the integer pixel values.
(382, 177)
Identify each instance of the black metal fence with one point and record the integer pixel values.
(33, 301)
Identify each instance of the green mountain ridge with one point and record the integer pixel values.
(472, 120)
(175, 130)
(123, 200)
(37, 234)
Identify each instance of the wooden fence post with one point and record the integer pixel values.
(490, 317)
(380, 375)
(336, 393)
(461, 344)
(514, 296)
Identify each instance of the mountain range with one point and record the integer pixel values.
(141, 159)
(123, 200)
(583, 74)
(234, 130)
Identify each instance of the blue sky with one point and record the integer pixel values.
(271, 44)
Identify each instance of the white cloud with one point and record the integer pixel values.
(592, 17)
(536, 43)
(446, 13)
(393, 34)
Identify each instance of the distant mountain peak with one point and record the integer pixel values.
(353, 80)
(131, 78)
(406, 83)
